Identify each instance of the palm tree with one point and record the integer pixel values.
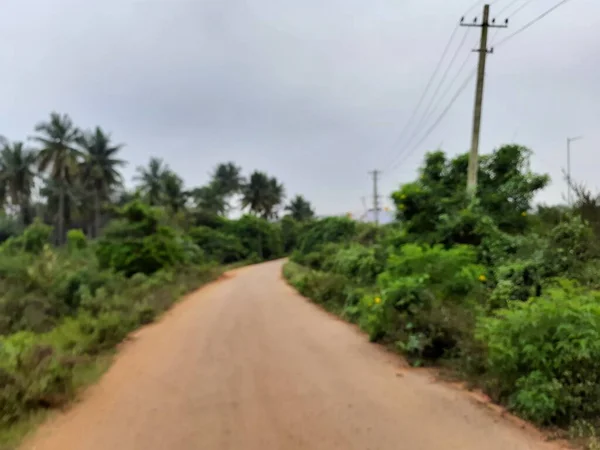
(59, 156)
(255, 191)
(262, 195)
(17, 176)
(174, 194)
(227, 179)
(151, 180)
(210, 199)
(99, 170)
(276, 194)
(300, 209)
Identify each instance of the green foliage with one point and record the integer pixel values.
(290, 233)
(543, 356)
(137, 243)
(358, 263)
(76, 240)
(327, 230)
(258, 236)
(505, 191)
(32, 240)
(219, 246)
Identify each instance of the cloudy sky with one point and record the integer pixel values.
(315, 92)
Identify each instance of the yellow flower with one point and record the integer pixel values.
(377, 300)
(523, 213)
(482, 278)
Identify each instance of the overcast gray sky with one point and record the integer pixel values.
(315, 92)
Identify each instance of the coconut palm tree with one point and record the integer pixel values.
(262, 195)
(59, 156)
(151, 180)
(17, 176)
(300, 209)
(227, 179)
(210, 199)
(276, 194)
(174, 194)
(99, 169)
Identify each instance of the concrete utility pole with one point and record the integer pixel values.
(485, 25)
(569, 140)
(375, 175)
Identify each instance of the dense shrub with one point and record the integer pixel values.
(325, 231)
(138, 243)
(544, 355)
(219, 246)
(358, 263)
(32, 240)
(258, 236)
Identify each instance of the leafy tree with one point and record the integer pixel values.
(262, 195)
(99, 170)
(210, 199)
(59, 156)
(227, 179)
(17, 176)
(505, 191)
(300, 209)
(151, 180)
(174, 194)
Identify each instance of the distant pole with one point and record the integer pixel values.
(483, 52)
(375, 175)
(569, 140)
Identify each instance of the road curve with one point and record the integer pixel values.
(247, 364)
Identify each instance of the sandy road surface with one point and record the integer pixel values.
(247, 364)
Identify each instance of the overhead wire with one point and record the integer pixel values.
(438, 120)
(427, 111)
(426, 90)
(510, 15)
(532, 22)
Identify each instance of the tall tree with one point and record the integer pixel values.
(174, 194)
(59, 156)
(151, 180)
(262, 195)
(227, 179)
(210, 199)
(275, 197)
(300, 209)
(99, 169)
(17, 176)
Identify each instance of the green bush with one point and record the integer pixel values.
(219, 246)
(258, 236)
(543, 356)
(33, 239)
(76, 240)
(137, 243)
(430, 297)
(358, 263)
(326, 231)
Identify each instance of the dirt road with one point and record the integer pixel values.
(247, 364)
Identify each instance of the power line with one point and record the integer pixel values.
(438, 120)
(421, 122)
(530, 23)
(507, 7)
(426, 90)
(510, 15)
(432, 78)
(514, 13)
(450, 86)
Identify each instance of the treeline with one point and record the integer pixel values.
(506, 295)
(69, 177)
(86, 261)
